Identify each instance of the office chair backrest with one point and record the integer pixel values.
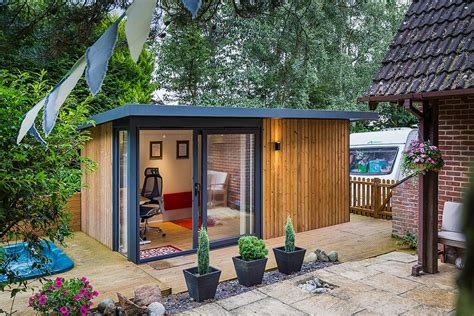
(153, 184)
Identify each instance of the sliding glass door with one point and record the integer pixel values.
(230, 203)
(170, 182)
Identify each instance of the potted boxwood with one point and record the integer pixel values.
(250, 265)
(202, 280)
(289, 258)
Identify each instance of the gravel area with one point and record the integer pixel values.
(180, 302)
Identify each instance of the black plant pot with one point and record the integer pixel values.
(289, 262)
(202, 287)
(249, 273)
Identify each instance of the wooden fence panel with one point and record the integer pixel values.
(371, 197)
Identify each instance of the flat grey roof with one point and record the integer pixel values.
(236, 112)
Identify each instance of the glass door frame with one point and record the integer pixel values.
(199, 125)
(195, 218)
(257, 180)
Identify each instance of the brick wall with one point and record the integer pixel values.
(405, 208)
(456, 142)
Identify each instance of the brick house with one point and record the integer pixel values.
(429, 70)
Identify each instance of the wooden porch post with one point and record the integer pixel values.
(428, 198)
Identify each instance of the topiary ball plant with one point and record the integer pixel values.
(252, 248)
(203, 252)
(289, 236)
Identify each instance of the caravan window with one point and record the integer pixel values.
(372, 161)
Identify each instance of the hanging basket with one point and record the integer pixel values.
(421, 157)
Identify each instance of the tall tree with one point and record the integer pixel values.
(300, 54)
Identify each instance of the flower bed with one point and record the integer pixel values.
(64, 297)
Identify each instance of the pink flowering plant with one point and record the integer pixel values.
(421, 157)
(64, 297)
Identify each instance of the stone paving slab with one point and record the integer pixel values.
(432, 297)
(353, 272)
(376, 286)
(398, 256)
(424, 310)
(287, 293)
(267, 306)
(234, 302)
(399, 269)
(390, 283)
(383, 302)
(208, 309)
(327, 304)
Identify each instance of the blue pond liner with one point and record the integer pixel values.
(22, 266)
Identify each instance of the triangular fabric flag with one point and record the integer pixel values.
(34, 132)
(193, 6)
(98, 56)
(29, 120)
(137, 27)
(56, 98)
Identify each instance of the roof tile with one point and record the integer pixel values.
(432, 51)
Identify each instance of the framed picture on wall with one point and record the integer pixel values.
(156, 150)
(182, 149)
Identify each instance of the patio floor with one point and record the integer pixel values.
(375, 286)
(110, 272)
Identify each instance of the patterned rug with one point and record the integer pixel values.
(158, 251)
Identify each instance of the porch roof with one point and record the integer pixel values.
(232, 112)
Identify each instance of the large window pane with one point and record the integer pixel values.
(372, 161)
(230, 185)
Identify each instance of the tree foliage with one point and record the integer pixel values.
(52, 34)
(35, 181)
(297, 54)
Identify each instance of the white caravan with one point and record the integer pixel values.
(378, 154)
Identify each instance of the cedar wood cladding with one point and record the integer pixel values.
(96, 197)
(308, 178)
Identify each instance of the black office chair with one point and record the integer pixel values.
(153, 191)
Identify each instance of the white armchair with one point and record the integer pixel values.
(217, 187)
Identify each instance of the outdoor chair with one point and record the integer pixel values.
(451, 228)
(217, 187)
(152, 191)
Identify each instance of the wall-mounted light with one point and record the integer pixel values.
(277, 145)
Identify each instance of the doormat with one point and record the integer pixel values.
(158, 251)
(170, 263)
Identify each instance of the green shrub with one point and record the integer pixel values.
(409, 240)
(203, 252)
(289, 235)
(252, 248)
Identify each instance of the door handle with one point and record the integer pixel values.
(197, 188)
